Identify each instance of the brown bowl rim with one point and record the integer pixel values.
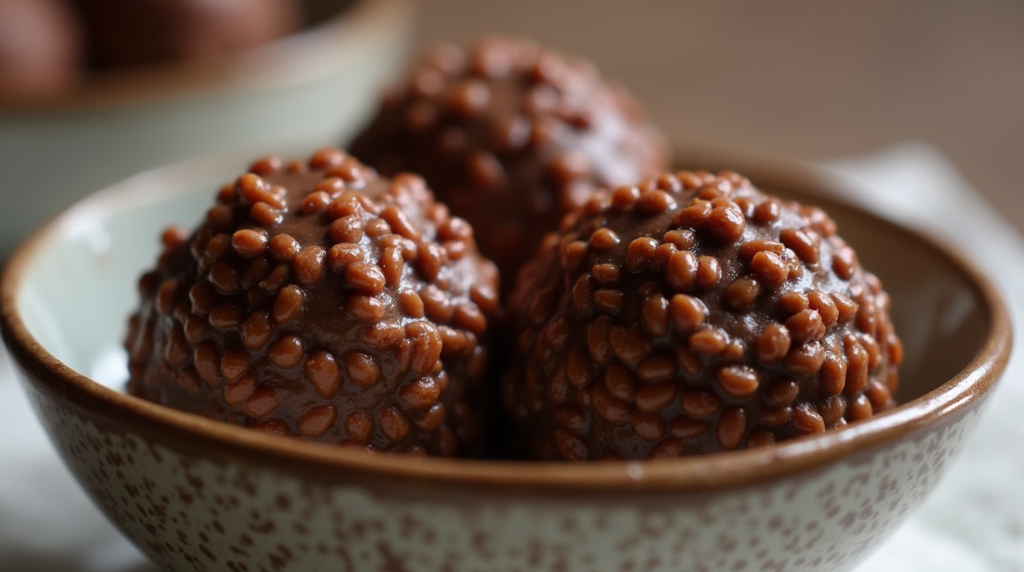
(299, 57)
(221, 442)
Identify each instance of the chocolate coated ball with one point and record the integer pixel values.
(511, 136)
(321, 301)
(693, 314)
(40, 49)
(131, 32)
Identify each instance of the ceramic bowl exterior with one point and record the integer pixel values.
(315, 86)
(200, 495)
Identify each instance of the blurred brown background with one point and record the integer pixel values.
(801, 79)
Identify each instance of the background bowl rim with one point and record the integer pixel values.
(305, 55)
(194, 435)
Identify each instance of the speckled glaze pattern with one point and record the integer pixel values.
(192, 511)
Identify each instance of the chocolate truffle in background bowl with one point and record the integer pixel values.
(132, 32)
(511, 136)
(40, 49)
(321, 301)
(693, 314)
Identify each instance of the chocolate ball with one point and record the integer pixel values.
(131, 32)
(511, 136)
(40, 49)
(692, 314)
(321, 301)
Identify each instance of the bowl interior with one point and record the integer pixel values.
(79, 285)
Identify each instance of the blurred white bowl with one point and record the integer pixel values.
(311, 88)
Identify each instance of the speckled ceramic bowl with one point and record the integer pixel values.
(316, 85)
(199, 495)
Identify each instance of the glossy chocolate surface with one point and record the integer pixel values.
(321, 301)
(511, 136)
(692, 314)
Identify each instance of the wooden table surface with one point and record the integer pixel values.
(797, 78)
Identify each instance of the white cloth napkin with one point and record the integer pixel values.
(973, 522)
